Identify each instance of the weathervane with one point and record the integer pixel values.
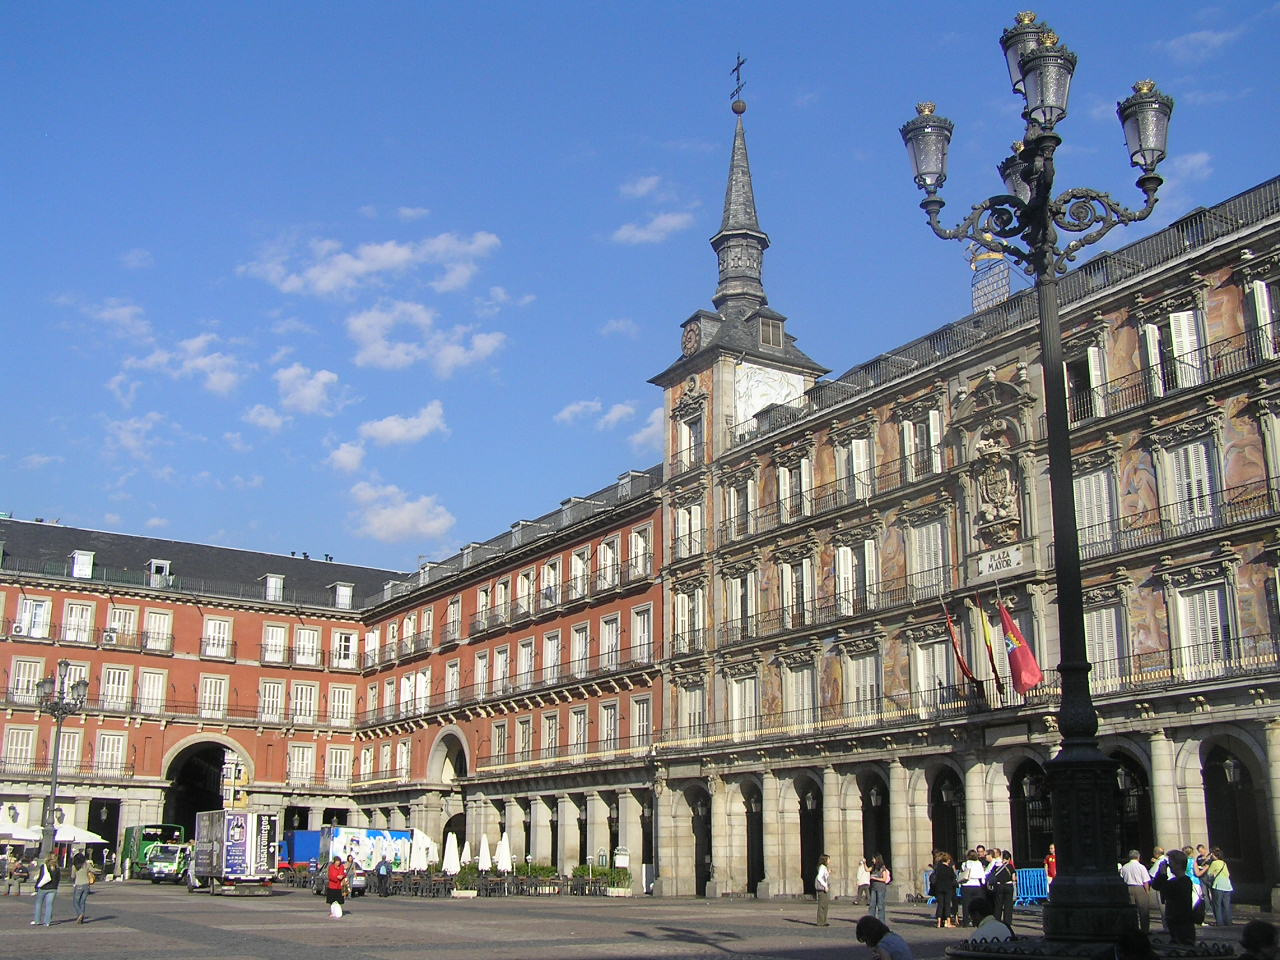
(737, 77)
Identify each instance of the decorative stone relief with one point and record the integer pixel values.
(691, 403)
(787, 457)
(1162, 437)
(690, 495)
(934, 509)
(690, 585)
(1107, 455)
(860, 429)
(999, 513)
(740, 566)
(853, 536)
(795, 552)
(741, 668)
(925, 632)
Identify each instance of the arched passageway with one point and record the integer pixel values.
(809, 797)
(946, 813)
(1030, 815)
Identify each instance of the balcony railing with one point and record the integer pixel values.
(1186, 371)
(379, 779)
(685, 642)
(688, 458)
(638, 569)
(1246, 503)
(415, 643)
(19, 767)
(217, 648)
(452, 632)
(609, 750)
(343, 659)
(689, 545)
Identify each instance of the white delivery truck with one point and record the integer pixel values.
(235, 852)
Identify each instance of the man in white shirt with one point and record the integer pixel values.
(1137, 879)
(822, 889)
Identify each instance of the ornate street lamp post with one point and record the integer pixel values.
(59, 702)
(1087, 900)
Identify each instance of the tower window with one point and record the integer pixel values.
(771, 333)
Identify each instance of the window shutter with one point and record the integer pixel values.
(1096, 383)
(1193, 483)
(909, 449)
(1259, 317)
(1151, 350)
(844, 576)
(860, 466)
(935, 440)
(1185, 342)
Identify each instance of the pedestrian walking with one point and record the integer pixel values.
(822, 889)
(942, 887)
(864, 881)
(1175, 886)
(1001, 885)
(81, 878)
(972, 874)
(1217, 876)
(383, 872)
(335, 885)
(1137, 880)
(1051, 864)
(884, 943)
(46, 891)
(881, 877)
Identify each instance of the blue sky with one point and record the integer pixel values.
(375, 280)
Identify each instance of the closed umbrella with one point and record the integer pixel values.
(419, 850)
(486, 861)
(451, 864)
(502, 858)
(466, 852)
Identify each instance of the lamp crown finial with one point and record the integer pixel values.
(1144, 86)
(926, 108)
(1049, 39)
(1025, 16)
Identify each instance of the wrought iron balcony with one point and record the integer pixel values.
(690, 545)
(684, 642)
(217, 648)
(23, 768)
(380, 779)
(689, 458)
(609, 750)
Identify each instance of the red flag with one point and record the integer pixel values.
(955, 646)
(991, 653)
(1025, 671)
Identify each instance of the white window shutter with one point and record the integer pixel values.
(1258, 316)
(860, 466)
(1151, 349)
(909, 448)
(1185, 342)
(1096, 382)
(935, 440)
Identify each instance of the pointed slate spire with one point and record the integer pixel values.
(740, 244)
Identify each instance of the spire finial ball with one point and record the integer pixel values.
(739, 107)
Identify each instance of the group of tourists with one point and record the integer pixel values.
(986, 877)
(1193, 884)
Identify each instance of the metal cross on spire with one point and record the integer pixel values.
(737, 77)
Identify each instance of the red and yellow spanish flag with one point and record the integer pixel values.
(955, 646)
(991, 653)
(1024, 670)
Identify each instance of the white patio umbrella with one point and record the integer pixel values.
(502, 858)
(68, 833)
(466, 852)
(20, 834)
(486, 861)
(419, 850)
(451, 864)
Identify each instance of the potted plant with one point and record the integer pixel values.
(465, 882)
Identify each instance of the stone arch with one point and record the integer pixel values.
(195, 739)
(450, 745)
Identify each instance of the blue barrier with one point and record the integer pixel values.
(1033, 886)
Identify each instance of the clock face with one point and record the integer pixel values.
(692, 338)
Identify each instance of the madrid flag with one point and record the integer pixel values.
(1023, 668)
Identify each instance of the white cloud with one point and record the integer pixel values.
(287, 325)
(135, 436)
(236, 442)
(155, 523)
(497, 298)
(368, 211)
(247, 483)
(124, 389)
(1199, 45)
(659, 227)
(639, 187)
(650, 436)
(412, 213)
(260, 415)
(577, 410)
(399, 430)
(120, 317)
(386, 513)
(623, 326)
(307, 392)
(111, 518)
(444, 350)
(137, 259)
(194, 358)
(34, 461)
(281, 355)
(615, 415)
(346, 457)
(328, 270)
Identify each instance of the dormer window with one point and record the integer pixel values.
(82, 563)
(159, 573)
(342, 595)
(275, 586)
(771, 333)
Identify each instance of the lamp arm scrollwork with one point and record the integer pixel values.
(1094, 214)
(989, 224)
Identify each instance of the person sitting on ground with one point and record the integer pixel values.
(1258, 940)
(884, 943)
(989, 927)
